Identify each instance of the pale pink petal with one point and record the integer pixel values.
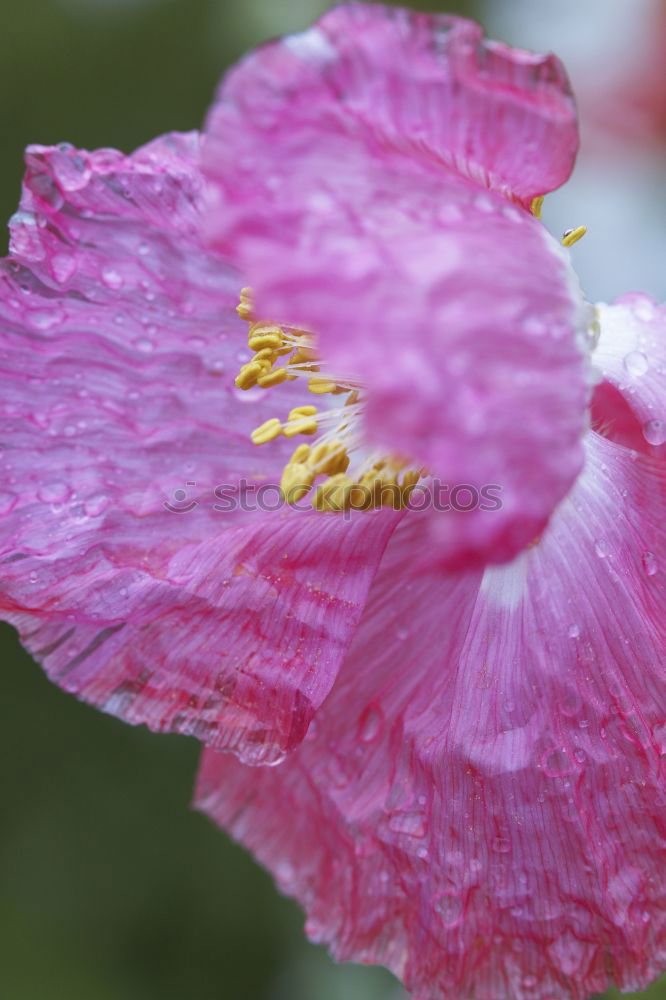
(631, 356)
(481, 804)
(119, 344)
(332, 155)
(236, 639)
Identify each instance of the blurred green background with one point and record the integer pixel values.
(111, 889)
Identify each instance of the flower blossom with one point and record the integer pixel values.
(467, 706)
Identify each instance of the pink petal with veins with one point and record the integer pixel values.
(351, 168)
(119, 343)
(480, 806)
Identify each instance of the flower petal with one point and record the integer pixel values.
(429, 84)
(631, 355)
(336, 195)
(481, 804)
(194, 610)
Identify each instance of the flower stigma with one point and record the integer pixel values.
(336, 465)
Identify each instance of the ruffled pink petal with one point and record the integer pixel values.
(335, 159)
(481, 806)
(631, 356)
(118, 348)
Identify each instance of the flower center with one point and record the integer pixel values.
(336, 465)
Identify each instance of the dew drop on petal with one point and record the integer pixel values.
(145, 345)
(411, 823)
(112, 278)
(556, 763)
(574, 631)
(636, 363)
(370, 724)
(55, 492)
(601, 548)
(63, 266)
(654, 431)
(501, 845)
(449, 906)
(650, 565)
(96, 505)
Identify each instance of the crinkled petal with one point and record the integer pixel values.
(336, 194)
(193, 610)
(429, 84)
(631, 356)
(481, 806)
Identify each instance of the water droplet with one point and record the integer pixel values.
(145, 345)
(650, 565)
(338, 773)
(501, 845)
(370, 724)
(55, 492)
(411, 823)
(557, 763)
(574, 631)
(654, 432)
(529, 982)
(580, 755)
(449, 906)
(401, 634)
(636, 363)
(112, 278)
(96, 505)
(45, 319)
(63, 266)
(602, 549)
(247, 395)
(70, 170)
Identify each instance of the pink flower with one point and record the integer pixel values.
(478, 803)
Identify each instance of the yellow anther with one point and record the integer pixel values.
(297, 480)
(262, 335)
(306, 425)
(334, 494)
(267, 431)
(304, 356)
(266, 354)
(301, 454)
(536, 206)
(388, 482)
(302, 411)
(572, 236)
(275, 377)
(329, 458)
(301, 420)
(322, 386)
(244, 307)
(247, 376)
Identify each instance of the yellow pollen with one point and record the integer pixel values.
(572, 236)
(377, 481)
(536, 206)
(296, 482)
(322, 386)
(267, 431)
(244, 307)
(334, 494)
(274, 377)
(263, 335)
